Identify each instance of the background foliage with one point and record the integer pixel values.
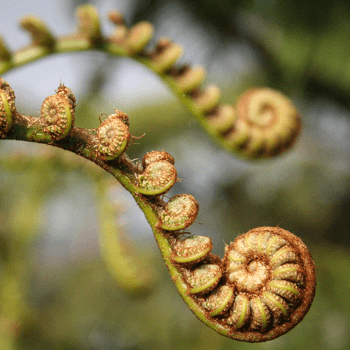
(58, 292)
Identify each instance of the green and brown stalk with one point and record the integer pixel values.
(264, 285)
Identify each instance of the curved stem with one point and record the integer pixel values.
(80, 141)
(238, 134)
(231, 133)
(74, 43)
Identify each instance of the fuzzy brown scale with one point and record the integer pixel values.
(67, 92)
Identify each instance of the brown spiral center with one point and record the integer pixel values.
(266, 116)
(252, 277)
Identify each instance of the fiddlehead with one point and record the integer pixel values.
(273, 275)
(266, 122)
(265, 283)
(262, 124)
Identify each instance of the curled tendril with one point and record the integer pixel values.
(7, 107)
(165, 55)
(263, 287)
(57, 113)
(113, 135)
(179, 213)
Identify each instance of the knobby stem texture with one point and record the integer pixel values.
(78, 144)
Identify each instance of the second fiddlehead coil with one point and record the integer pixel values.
(262, 124)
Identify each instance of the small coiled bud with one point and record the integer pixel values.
(39, 31)
(179, 213)
(7, 107)
(158, 178)
(204, 278)
(187, 78)
(191, 250)
(138, 37)
(156, 156)
(159, 174)
(113, 135)
(57, 113)
(266, 124)
(89, 23)
(207, 99)
(222, 118)
(165, 55)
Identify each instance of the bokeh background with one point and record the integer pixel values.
(57, 291)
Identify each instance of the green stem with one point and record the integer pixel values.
(80, 142)
(74, 43)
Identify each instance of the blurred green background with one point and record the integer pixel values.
(58, 292)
